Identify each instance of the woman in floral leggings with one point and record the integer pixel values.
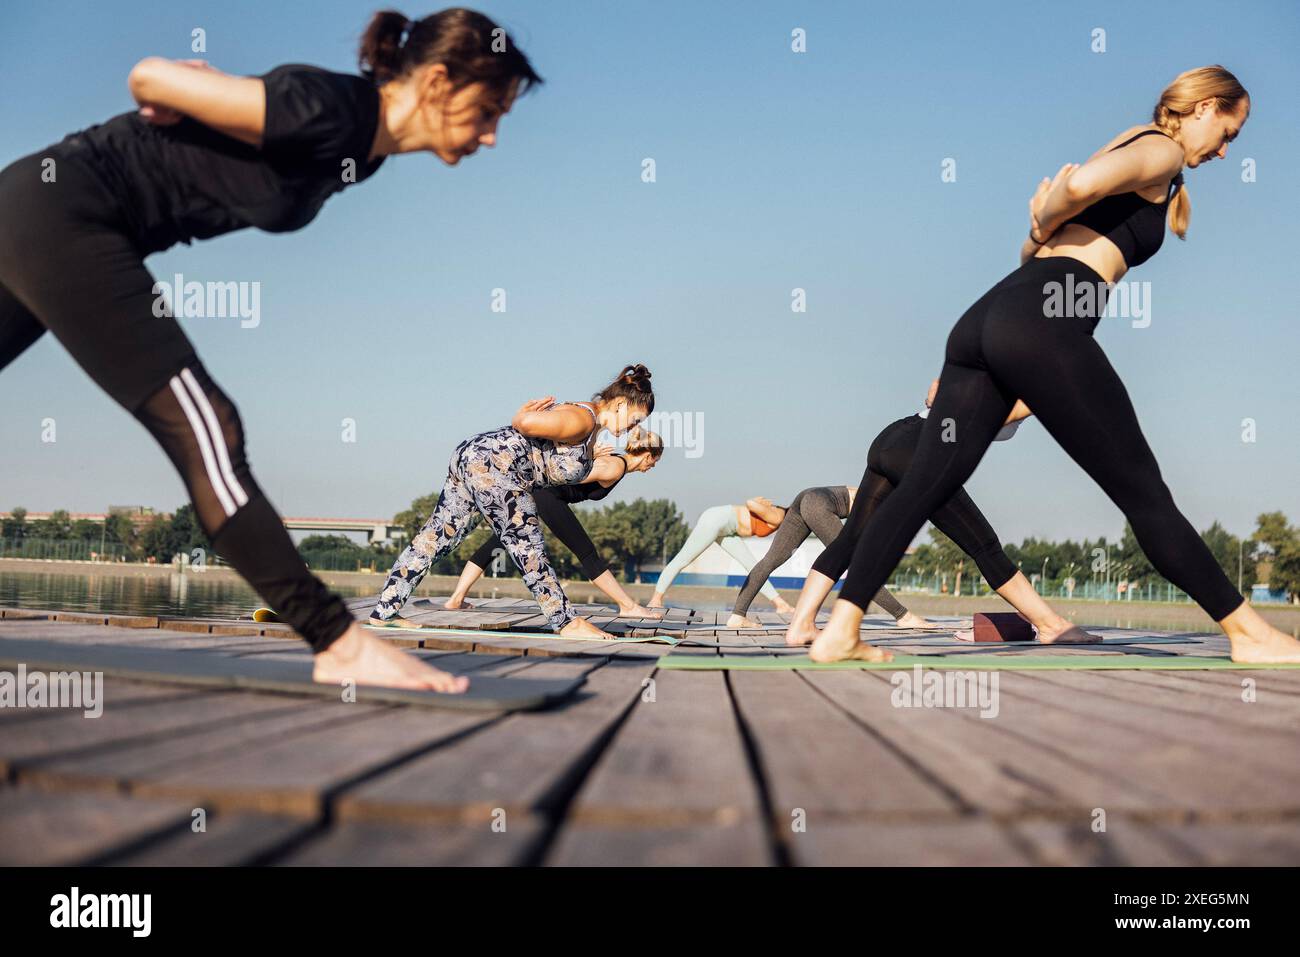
(493, 474)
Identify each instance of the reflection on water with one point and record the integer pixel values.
(188, 595)
(192, 595)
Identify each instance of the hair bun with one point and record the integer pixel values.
(637, 375)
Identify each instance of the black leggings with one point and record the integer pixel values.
(888, 461)
(69, 266)
(1010, 345)
(814, 511)
(559, 518)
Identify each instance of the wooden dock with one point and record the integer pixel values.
(646, 765)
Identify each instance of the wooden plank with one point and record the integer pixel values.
(43, 829)
(820, 763)
(120, 691)
(951, 842)
(983, 764)
(229, 840)
(376, 844)
(69, 735)
(157, 754)
(739, 844)
(521, 765)
(1128, 842)
(678, 760)
(1182, 743)
(1271, 714)
(292, 776)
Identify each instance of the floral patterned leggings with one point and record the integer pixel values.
(489, 474)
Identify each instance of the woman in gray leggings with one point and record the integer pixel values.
(814, 511)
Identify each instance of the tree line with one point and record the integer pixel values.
(632, 535)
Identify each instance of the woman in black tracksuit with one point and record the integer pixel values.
(209, 154)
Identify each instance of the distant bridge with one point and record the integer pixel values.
(375, 529)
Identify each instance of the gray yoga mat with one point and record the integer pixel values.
(208, 670)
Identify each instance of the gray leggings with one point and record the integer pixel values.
(815, 511)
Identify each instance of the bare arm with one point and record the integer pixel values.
(607, 470)
(764, 509)
(1145, 162)
(542, 419)
(233, 105)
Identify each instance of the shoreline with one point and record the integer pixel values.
(1184, 615)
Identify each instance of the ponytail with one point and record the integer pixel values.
(1177, 100)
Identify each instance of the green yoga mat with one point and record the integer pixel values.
(477, 633)
(963, 663)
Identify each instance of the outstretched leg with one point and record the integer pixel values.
(735, 547)
(63, 262)
(451, 520)
(791, 533)
(968, 411)
(1081, 401)
(713, 522)
(513, 515)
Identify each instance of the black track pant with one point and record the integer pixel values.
(1010, 345)
(69, 266)
(888, 461)
(559, 518)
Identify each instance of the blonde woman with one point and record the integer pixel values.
(1088, 226)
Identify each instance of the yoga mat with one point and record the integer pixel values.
(929, 642)
(475, 633)
(964, 663)
(208, 670)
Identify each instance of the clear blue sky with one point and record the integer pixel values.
(775, 170)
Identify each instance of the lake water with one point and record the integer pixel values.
(190, 595)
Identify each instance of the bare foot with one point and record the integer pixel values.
(1271, 647)
(397, 621)
(1064, 633)
(641, 611)
(801, 633)
(582, 628)
(783, 607)
(839, 640)
(740, 621)
(916, 621)
(656, 601)
(456, 604)
(367, 660)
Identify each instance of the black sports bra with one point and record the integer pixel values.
(1135, 225)
(586, 491)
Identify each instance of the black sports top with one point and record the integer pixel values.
(1134, 224)
(188, 181)
(586, 491)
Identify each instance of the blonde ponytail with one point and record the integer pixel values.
(1177, 101)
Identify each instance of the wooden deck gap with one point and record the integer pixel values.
(962, 807)
(776, 835)
(553, 806)
(330, 796)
